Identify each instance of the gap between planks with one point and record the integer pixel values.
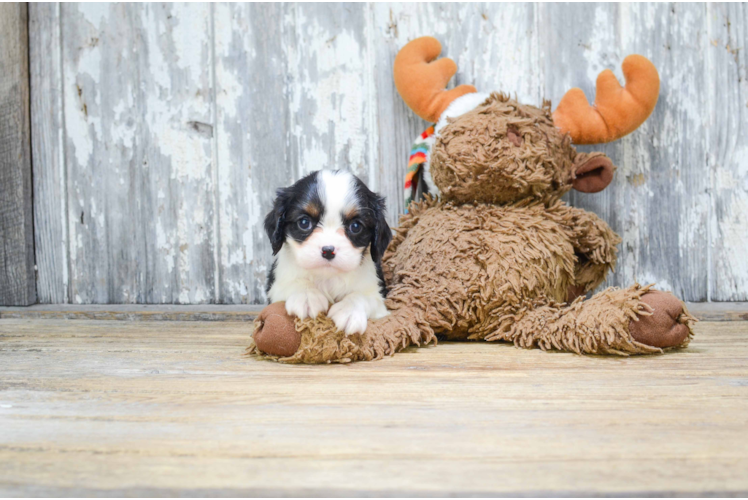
(704, 311)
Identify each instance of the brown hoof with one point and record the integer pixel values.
(276, 335)
(661, 329)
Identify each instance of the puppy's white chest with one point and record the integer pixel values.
(334, 288)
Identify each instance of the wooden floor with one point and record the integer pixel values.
(173, 408)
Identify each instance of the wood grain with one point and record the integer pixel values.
(252, 46)
(139, 152)
(122, 408)
(165, 312)
(728, 149)
(658, 201)
(174, 163)
(48, 151)
(17, 280)
(705, 311)
(719, 311)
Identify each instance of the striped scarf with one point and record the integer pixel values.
(418, 177)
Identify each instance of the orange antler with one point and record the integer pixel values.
(421, 82)
(617, 111)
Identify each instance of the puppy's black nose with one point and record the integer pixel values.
(328, 253)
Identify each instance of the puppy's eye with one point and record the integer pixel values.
(356, 227)
(305, 223)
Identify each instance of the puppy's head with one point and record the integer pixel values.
(328, 220)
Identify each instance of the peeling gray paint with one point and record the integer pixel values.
(169, 127)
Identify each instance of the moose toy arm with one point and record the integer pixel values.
(594, 245)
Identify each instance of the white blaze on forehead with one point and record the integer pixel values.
(337, 190)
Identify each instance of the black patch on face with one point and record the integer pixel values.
(302, 200)
(371, 214)
(291, 206)
(376, 232)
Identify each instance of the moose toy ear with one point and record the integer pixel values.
(592, 172)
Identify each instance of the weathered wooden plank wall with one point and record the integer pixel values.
(17, 279)
(727, 148)
(161, 131)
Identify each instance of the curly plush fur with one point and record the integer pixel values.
(500, 257)
(322, 342)
(476, 161)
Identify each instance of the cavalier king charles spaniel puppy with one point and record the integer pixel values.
(328, 233)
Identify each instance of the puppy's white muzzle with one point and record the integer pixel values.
(327, 249)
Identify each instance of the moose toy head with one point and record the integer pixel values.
(489, 148)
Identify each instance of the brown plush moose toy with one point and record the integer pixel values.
(498, 256)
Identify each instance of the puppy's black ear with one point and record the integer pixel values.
(382, 233)
(275, 221)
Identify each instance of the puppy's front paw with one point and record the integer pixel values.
(307, 304)
(349, 316)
